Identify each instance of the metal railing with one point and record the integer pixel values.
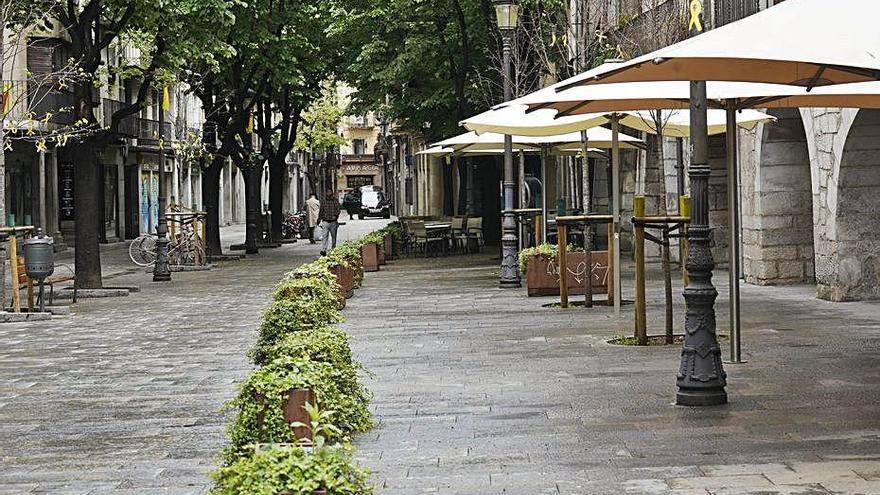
(127, 126)
(727, 11)
(43, 104)
(652, 29)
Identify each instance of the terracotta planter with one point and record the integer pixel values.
(389, 247)
(542, 274)
(349, 281)
(345, 279)
(380, 250)
(370, 258)
(293, 409)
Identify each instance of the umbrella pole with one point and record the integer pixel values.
(543, 195)
(521, 178)
(588, 229)
(615, 212)
(734, 225)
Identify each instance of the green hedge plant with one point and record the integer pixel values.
(293, 470)
(350, 252)
(303, 300)
(310, 280)
(324, 344)
(337, 392)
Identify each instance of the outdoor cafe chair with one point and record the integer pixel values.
(475, 232)
(423, 242)
(458, 233)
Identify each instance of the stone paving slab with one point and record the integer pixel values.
(123, 396)
(481, 391)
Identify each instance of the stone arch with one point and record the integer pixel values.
(778, 191)
(850, 264)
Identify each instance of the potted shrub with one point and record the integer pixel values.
(342, 275)
(393, 235)
(259, 403)
(378, 239)
(326, 344)
(301, 303)
(293, 470)
(541, 270)
(350, 253)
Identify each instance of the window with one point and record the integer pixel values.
(360, 146)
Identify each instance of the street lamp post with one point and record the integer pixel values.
(161, 270)
(701, 378)
(507, 15)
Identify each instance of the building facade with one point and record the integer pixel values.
(40, 183)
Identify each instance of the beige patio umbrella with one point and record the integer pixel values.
(798, 42)
(599, 137)
(537, 120)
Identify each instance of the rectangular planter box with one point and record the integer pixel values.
(542, 274)
(293, 410)
(345, 279)
(370, 257)
(389, 247)
(380, 250)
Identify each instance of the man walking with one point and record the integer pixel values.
(313, 207)
(329, 215)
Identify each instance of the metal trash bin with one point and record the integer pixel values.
(39, 259)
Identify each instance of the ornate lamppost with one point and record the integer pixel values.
(161, 270)
(701, 378)
(507, 16)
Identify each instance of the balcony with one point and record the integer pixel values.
(148, 131)
(359, 159)
(128, 126)
(29, 102)
(361, 121)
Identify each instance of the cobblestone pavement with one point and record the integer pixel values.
(484, 391)
(123, 396)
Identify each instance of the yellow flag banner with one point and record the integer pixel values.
(166, 99)
(250, 124)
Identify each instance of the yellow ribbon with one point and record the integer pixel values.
(7, 96)
(696, 11)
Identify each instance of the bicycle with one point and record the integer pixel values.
(182, 248)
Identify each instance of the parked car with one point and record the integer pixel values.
(374, 203)
(351, 202)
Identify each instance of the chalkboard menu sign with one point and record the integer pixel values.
(65, 190)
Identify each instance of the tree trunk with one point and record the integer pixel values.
(252, 208)
(277, 176)
(87, 215)
(211, 199)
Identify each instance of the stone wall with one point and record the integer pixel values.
(846, 152)
(718, 199)
(777, 206)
